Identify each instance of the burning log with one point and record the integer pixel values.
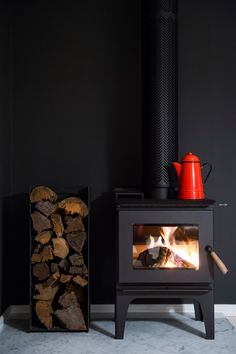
(58, 267)
(146, 259)
(165, 251)
(163, 257)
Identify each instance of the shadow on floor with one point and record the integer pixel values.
(101, 330)
(21, 324)
(171, 320)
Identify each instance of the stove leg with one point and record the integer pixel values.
(207, 306)
(121, 308)
(198, 311)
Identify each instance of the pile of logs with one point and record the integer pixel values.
(59, 273)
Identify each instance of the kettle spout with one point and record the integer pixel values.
(177, 167)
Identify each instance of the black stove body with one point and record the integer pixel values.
(161, 242)
(161, 253)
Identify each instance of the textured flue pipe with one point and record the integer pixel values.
(159, 95)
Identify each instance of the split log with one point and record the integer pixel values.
(44, 237)
(54, 267)
(60, 246)
(73, 205)
(35, 258)
(46, 207)
(64, 264)
(76, 240)
(45, 255)
(65, 278)
(72, 318)
(74, 224)
(42, 193)
(80, 281)
(41, 271)
(76, 270)
(67, 299)
(40, 222)
(44, 312)
(46, 293)
(57, 224)
(77, 289)
(76, 259)
(53, 278)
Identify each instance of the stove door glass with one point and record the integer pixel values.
(165, 246)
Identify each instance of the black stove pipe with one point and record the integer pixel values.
(159, 95)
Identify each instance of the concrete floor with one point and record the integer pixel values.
(232, 320)
(176, 334)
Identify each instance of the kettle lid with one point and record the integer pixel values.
(189, 157)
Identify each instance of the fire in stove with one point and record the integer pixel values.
(165, 246)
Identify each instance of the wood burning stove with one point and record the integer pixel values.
(162, 253)
(163, 245)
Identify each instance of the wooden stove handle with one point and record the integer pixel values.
(217, 260)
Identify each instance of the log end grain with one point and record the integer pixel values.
(60, 247)
(42, 193)
(74, 205)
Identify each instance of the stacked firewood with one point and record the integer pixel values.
(59, 273)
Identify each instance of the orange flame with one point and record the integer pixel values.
(187, 251)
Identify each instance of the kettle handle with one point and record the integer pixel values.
(209, 172)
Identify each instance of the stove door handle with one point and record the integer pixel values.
(217, 260)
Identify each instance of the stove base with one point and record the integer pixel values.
(202, 297)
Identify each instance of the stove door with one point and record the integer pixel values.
(163, 246)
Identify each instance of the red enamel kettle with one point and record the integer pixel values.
(190, 177)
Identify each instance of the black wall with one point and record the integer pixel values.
(76, 117)
(207, 111)
(5, 119)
